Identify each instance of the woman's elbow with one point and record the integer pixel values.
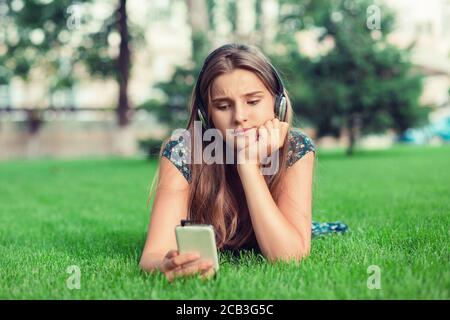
(298, 255)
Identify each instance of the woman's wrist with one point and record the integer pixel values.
(247, 167)
(247, 160)
(152, 262)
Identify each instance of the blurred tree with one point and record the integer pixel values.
(123, 63)
(173, 111)
(56, 35)
(354, 79)
(203, 20)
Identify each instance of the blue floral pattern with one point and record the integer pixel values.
(324, 228)
(176, 151)
(299, 144)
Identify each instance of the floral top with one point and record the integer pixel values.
(299, 144)
(175, 150)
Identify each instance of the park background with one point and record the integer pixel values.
(89, 90)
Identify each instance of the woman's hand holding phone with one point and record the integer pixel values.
(177, 264)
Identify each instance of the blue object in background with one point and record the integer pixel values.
(442, 129)
(439, 129)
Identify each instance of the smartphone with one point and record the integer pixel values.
(199, 238)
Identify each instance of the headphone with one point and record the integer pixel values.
(280, 98)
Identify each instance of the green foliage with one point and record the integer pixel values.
(232, 14)
(47, 21)
(60, 47)
(151, 146)
(158, 109)
(362, 76)
(175, 109)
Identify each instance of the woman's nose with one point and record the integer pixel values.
(240, 113)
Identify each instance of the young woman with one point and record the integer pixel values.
(239, 95)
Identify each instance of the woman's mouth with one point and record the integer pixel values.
(242, 131)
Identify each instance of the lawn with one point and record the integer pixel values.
(92, 214)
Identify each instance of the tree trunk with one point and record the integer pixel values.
(124, 139)
(123, 66)
(34, 122)
(354, 122)
(351, 135)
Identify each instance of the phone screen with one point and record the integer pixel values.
(198, 238)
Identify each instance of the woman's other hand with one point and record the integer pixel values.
(264, 141)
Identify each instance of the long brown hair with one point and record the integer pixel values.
(216, 195)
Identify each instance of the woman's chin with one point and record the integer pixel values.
(240, 141)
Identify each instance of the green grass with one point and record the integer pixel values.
(92, 213)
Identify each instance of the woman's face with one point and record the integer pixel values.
(239, 100)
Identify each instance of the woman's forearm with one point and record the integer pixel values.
(276, 236)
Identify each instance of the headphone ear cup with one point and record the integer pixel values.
(202, 119)
(282, 109)
(277, 106)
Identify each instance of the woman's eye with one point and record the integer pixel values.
(254, 102)
(223, 107)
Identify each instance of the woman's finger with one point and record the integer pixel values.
(167, 258)
(263, 142)
(269, 127)
(284, 129)
(181, 259)
(169, 276)
(263, 134)
(276, 134)
(193, 268)
(208, 273)
(171, 254)
(173, 273)
(276, 122)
